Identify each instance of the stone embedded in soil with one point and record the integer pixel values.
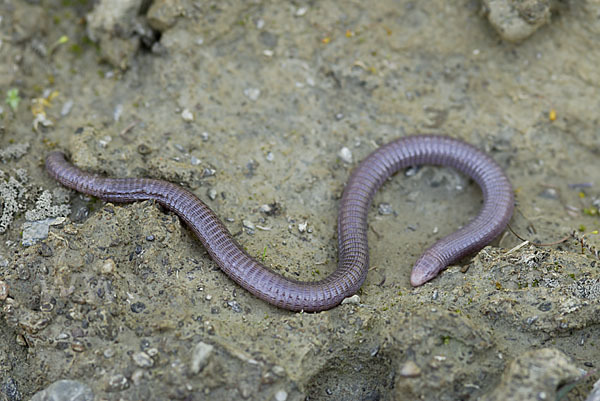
(200, 356)
(163, 14)
(35, 231)
(105, 26)
(535, 375)
(517, 20)
(65, 390)
(410, 369)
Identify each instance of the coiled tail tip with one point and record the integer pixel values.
(425, 269)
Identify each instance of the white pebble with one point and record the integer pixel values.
(302, 226)
(143, 360)
(410, 369)
(270, 157)
(278, 370)
(187, 115)
(345, 154)
(353, 300)
(200, 355)
(268, 53)
(301, 11)
(108, 267)
(260, 23)
(281, 395)
(252, 93)
(118, 111)
(66, 108)
(104, 141)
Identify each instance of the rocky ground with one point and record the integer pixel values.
(262, 108)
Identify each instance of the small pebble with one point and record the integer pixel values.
(278, 370)
(234, 306)
(385, 209)
(208, 172)
(345, 154)
(301, 11)
(187, 116)
(409, 172)
(117, 112)
(3, 290)
(270, 157)
(353, 300)
(281, 395)
(200, 355)
(45, 250)
(138, 307)
(117, 382)
(248, 224)
(136, 377)
(34, 231)
(531, 320)
(150, 238)
(252, 93)
(195, 161)
(410, 369)
(212, 194)
(143, 360)
(265, 208)
(302, 226)
(66, 108)
(77, 346)
(548, 193)
(108, 267)
(65, 390)
(144, 149)
(204, 136)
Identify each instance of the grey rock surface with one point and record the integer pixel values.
(65, 390)
(516, 20)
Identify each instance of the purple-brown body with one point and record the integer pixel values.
(352, 220)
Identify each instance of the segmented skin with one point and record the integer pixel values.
(352, 220)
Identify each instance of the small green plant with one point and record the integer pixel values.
(13, 99)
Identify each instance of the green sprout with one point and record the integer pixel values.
(61, 41)
(12, 98)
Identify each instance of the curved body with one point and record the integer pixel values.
(352, 220)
